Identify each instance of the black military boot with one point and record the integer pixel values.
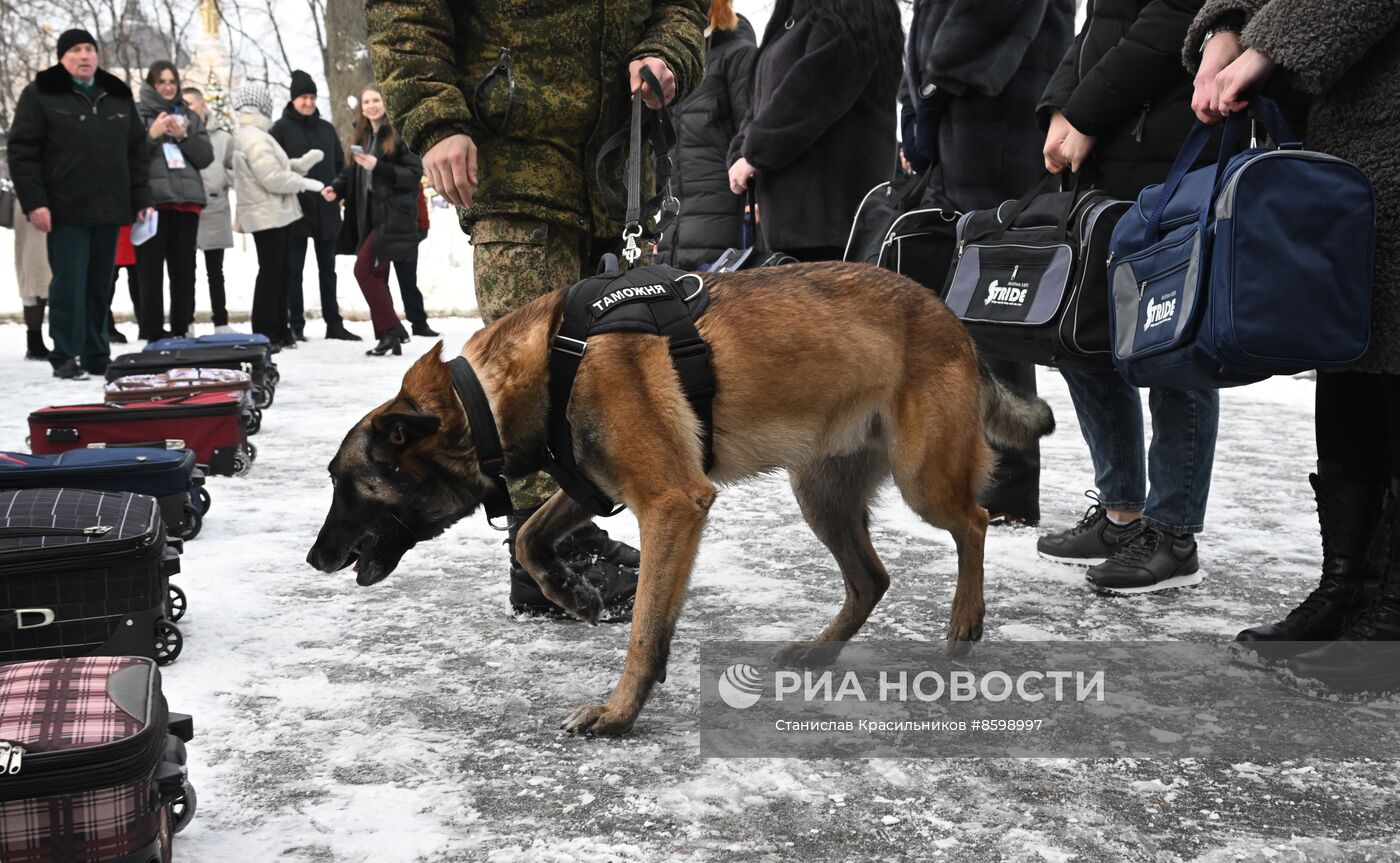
(1365, 656)
(615, 581)
(1348, 513)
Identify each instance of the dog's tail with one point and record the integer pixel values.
(1010, 419)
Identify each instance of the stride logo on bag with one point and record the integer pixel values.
(1013, 293)
(1160, 311)
(1007, 293)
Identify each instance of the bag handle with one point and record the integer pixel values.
(1231, 141)
(1040, 188)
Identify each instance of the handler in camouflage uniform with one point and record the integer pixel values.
(508, 102)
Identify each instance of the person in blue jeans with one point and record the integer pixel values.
(1117, 111)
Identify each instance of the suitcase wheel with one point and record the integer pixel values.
(182, 810)
(273, 375)
(252, 452)
(194, 520)
(241, 464)
(203, 499)
(263, 397)
(252, 421)
(175, 604)
(169, 642)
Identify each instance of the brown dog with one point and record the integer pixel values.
(840, 374)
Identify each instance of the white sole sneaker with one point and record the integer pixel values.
(1071, 561)
(1172, 583)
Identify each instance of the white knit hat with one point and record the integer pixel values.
(250, 96)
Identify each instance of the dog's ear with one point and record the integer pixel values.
(402, 428)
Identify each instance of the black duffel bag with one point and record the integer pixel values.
(1030, 279)
(894, 229)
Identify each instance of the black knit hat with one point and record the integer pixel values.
(71, 38)
(302, 84)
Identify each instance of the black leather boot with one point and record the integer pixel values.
(616, 582)
(390, 343)
(34, 324)
(1348, 513)
(1365, 657)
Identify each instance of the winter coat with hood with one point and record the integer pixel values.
(383, 201)
(182, 185)
(84, 156)
(216, 219)
(299, 135)
(977, 69)
(821, 130)
(1346, 55)
(265, 180)
(712, 217)
(1122, 82)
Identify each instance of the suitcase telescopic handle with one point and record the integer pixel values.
(168, 443)
(94, 530)
(14, 618)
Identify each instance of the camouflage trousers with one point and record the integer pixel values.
(516, 260)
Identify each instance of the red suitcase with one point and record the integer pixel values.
(208, 423)
(183, 382)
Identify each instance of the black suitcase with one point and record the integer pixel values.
(92, 763)
(169, 476)
(86, 573)
(240, 358)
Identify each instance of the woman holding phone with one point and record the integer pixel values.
(380, 188)
(179, 149)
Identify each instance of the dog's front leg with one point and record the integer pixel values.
(671, 524)
(535, 549)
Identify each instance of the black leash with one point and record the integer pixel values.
(656, 126)
(485, 438)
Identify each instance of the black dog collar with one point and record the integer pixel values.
(485, 438)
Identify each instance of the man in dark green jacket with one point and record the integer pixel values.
(79, 160)
(508, 104)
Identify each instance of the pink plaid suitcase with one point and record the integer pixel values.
(92, 764)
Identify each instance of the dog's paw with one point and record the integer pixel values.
(597, 720)
(809, 654)
(964, 631)
(578, 597)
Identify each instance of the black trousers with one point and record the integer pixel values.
(214, 274)
(1358, 425)
(171, 251)
(298, 235)
(1015, 485)
(270, 289)
(407, 274)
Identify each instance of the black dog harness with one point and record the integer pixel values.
(659, 300)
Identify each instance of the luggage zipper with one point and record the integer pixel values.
(95, 530)
(11, 758)
(1141, 128)
(1159, 276)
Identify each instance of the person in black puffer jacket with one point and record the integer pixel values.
(380, 188)
(1118, 111)
(712, 217)
(821, 131)
(300, 131)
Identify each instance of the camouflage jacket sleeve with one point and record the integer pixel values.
(411, 47)
(675, 32)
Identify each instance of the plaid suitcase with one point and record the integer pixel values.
(243, 358)
(169, 476)
(93, 763)
(208, 423)
(184, 382)
(86, 573)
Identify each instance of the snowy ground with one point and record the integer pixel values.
(415, 721)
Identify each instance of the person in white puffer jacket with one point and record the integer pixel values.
(265, 187)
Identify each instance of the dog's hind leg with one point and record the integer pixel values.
(939, 476)
(535, 549)
(835, 496)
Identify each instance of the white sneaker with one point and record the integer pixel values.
(223, 329)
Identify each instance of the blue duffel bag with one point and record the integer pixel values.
(1257, 265)
(169, 476)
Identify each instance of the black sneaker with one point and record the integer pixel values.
(1148, 560)
(1092, 541)
(299, 334)
(69, 370)
(422, 329)
(339, 333)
